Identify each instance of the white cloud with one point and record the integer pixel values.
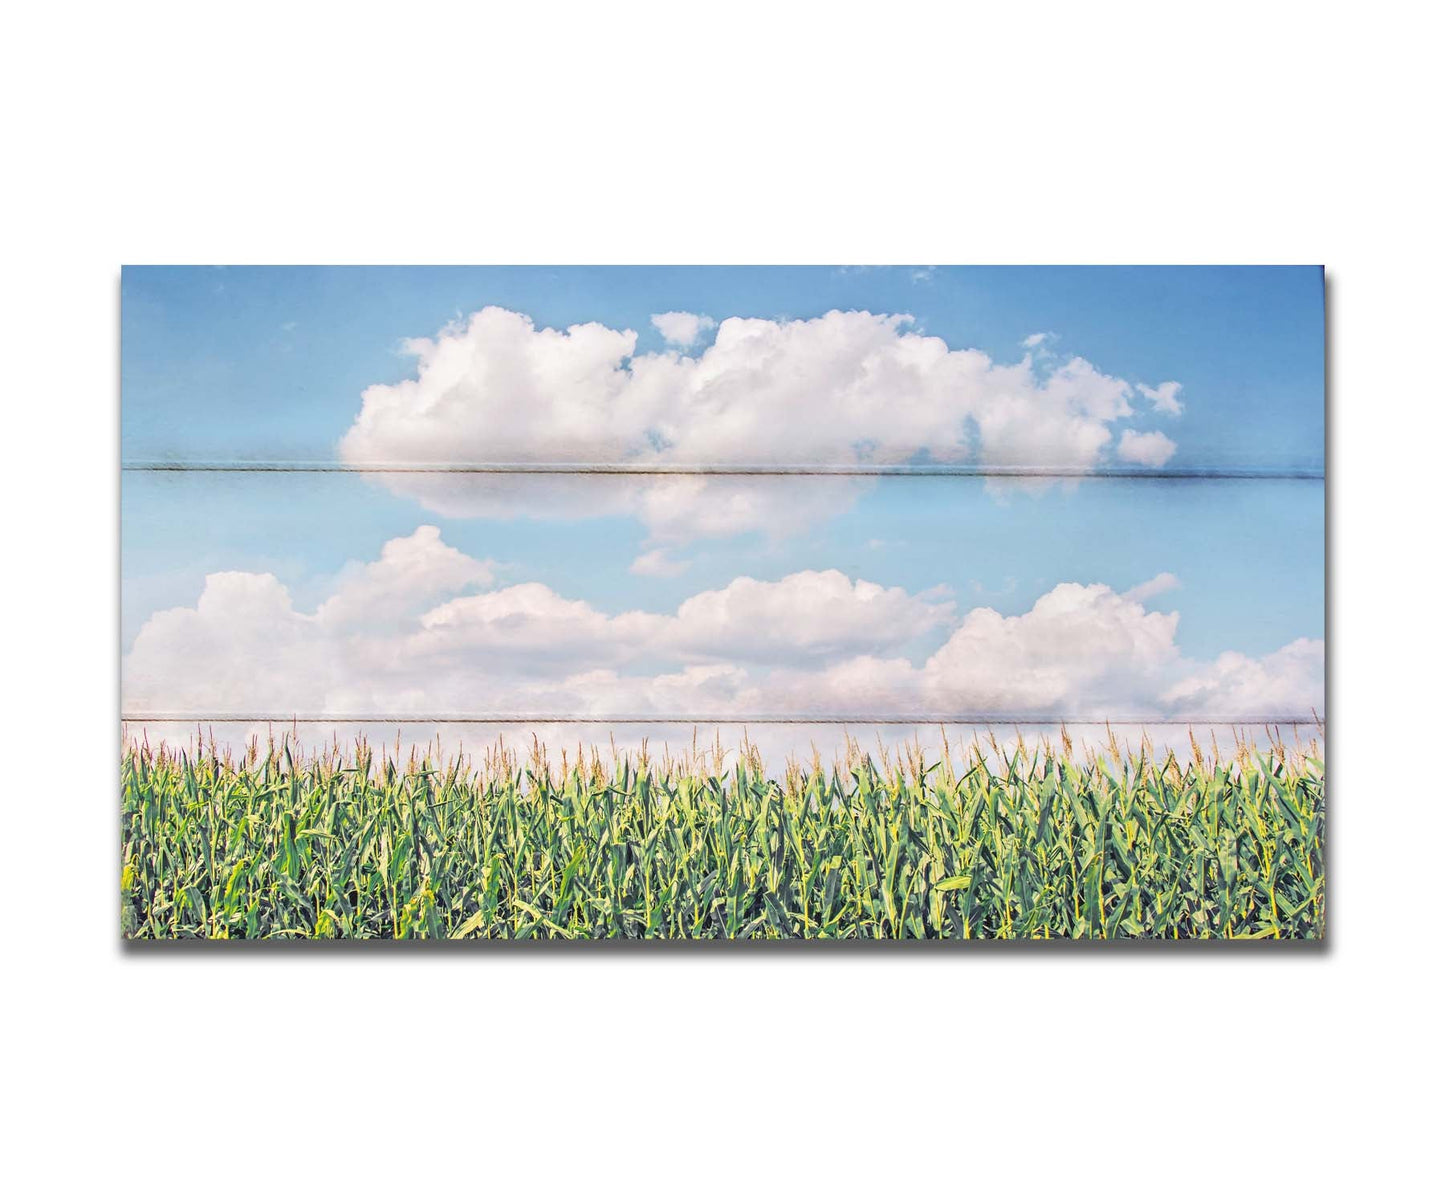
(1165, 397)
(1039, 338)
(1291, 680)
(805, 617)
(1081, 650)
(527, 626)
(412, 571)
(1159, 584)
(682, 329)
(839, 390)
(657, 563)
(1150, 448)
(402, 636)
(242, 646)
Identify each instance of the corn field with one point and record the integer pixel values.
(1028, 843)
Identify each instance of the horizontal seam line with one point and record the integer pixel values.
(742, 470)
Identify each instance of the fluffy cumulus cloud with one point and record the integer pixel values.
(805, 618)
(682, 329)
(1149, 448)
(1240, 685)
(1165, 397)
(657, 563)
(841, 390)
(1081, 649)
(424, 630)
(411, 572)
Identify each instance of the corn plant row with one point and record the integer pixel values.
(992, 843)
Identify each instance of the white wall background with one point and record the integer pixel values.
(738, 133)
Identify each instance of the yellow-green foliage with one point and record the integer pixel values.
(995, 844)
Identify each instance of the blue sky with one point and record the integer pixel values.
(1250, 554)
(222, 363)
(271, 364)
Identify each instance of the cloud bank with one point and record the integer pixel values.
(424, 631)
(682, 329)
(842, 390)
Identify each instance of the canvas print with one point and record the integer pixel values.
(722, 603)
